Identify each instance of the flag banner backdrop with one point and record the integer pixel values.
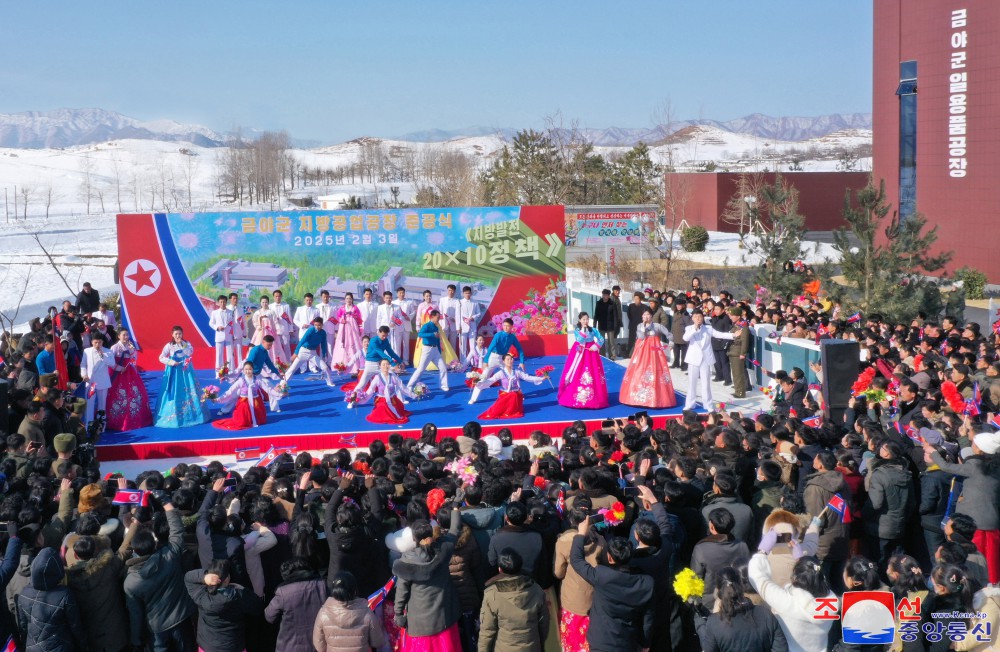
(174, 265)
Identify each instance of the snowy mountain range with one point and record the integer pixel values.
(74, 127)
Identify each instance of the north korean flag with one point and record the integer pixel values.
(839, 505)
(243, 454)
(812, 422)
(131, 497)
(268, 457)
(854, 319)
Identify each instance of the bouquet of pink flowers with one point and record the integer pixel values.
(210, 393)
(455, 365)
(351, 398)
(543, 372)
(464, 469)
(474, 376)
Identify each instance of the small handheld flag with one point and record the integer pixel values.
(243, 454)
(813, 422)
(268, 457)
(839, 505)
(375, 599)
(11, 645)
(854, 319)
(131, 497)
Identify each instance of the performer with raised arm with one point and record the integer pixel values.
(430, 349)
(247, 395)
(95, 369)
(221, 321)
(583, 384)
(389, 392)
(700, 359)
(500, 345)
(510, 402)
(234, 356)
(347, 343)
(448, 305)
(469, 314)
(312, 347)
(379, 349)
(128, 402)
(647, 381)
(180, 403)
(406, 310)
(423, 316)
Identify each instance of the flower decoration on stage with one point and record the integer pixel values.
(420, 390)
(616, 457)
(455, 365)
(351, 398)
(543, 372)
(541, 483)
(435, 501)
(613, 516)
(863, 382)
(540, 313)
(688, 586)
(464, 469)
(340, 367)
(222, 372)
(210, 393)
(362, 467)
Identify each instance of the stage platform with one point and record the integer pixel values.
(315, 417)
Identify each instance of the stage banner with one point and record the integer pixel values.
(173, 266)
(600, 228)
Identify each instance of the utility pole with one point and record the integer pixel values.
(6, 206)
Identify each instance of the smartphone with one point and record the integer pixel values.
(608, 423)
(785, 537)
(631, 492)
(230, 482)
(642, 415)
(596, 518)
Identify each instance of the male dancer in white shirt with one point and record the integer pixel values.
(368, 309)
(468, 322)
(302, 319)
(221, 321)
(327, 312)
(700, 359)
(407, 307)
(234, 354)
(283, 324)
(448, 307)
(389, 315)
(95, 370)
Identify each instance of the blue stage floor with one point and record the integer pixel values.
(313, 408)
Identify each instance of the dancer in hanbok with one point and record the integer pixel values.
(390, 397)
(359, 359)
(647, 381)
(347, 341)
(583, 384)
(128, 402)
(247, 389)
(510, 402)
(448, 355)
(265, 323)
(180, 403)
(476, 360)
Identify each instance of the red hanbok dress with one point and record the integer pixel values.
(510, 402)
(388, 392)
(647, 381)
(247, 400)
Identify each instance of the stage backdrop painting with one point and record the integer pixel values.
(174, 265)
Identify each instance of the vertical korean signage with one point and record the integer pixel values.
(958, 94)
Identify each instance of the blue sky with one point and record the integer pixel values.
(335, 70)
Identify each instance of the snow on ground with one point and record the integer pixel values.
(723, 250)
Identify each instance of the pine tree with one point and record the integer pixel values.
(780, 240)
(886, 260)
(635, 179)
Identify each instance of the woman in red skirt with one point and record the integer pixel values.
(246, 399)
(389, 393)
(510, 402)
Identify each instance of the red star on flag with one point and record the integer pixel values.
(142, 277)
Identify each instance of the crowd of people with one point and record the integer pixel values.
(717, 531)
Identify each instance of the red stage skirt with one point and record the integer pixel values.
(240, 418)
(509, 405)
(382, 414)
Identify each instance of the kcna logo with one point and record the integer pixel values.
(870, 617)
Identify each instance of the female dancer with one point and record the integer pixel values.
(359, 361)
(582, 384)
(647, 380)
(510, 402)
(128, 403)
(264, 323)
(423, 316)
(247, 388)
(347, 342)
(476, 360)
(180, 403)
(389, 392)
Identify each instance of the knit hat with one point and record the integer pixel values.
(988, 442)
(931, 436)
(64, 443)
(91, 499)
(493, 445)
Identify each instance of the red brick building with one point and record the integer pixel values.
(936, 120)
(821, 196)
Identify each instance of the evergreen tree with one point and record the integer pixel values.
(529, 171)
(886, 260)
(635, 179)
(780, 241)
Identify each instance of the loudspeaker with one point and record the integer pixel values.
(841, 360)
(3, 407)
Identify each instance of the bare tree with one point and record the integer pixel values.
(87, 180)
(49, 194)
(741, 210)
(27, 195)
(38, 240)
(189, 168)
(675, 194)
(116, 170)
(19, 288)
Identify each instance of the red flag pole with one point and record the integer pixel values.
(62, 371)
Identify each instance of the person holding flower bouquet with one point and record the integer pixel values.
(379, 349)
(180, 402)
(347, 341)
(583, 384)
(647, 381)
(128, 402)
(510, 402)
(245, 399)
(389, 392)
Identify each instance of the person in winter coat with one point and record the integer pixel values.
(980, 497)
(724, 496)
(8, 567)
(344, 622)
(47, 611)
(528, 543)
(654, 550)
(738, 625)
(792, 544)
(716, 551)
(154, 588)
(223, 608)
(935, 491)
(794, 605)
(295, 604)
(575, 594)
(820, 487)
(621, 617)
(357, 541)
(987, 602)
(465, 569)
(891, 499)
(219, 535)
(427, 604)
(514, 616)
(96, 579)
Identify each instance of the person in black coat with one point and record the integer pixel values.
(526, 542)
(223, 608)
(357, 541)
(794, 392)
(621, 616)
(635, 311)
(653, 555)
(721, 322)
(219, 535)
(608, 317)
(739, 625)
(88, 300)
(47, 611)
